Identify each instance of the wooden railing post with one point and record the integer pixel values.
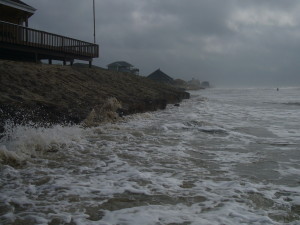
(62, 43)
(12, 33)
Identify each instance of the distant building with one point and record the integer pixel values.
(205, 84)
(160, 76)
(194, 84)
(16, 12)
(122, 66)
(180, 83)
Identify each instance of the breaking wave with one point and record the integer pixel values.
(223, 160)
(22, 143)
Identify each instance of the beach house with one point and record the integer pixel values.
(19, 42)
(16, 12)
(161, 77)
(123, 66)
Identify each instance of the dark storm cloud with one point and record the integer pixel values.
(226, 42)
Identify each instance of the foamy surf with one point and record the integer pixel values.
(225, 160)
(22, 143)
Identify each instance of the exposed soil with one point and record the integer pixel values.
(48, 94)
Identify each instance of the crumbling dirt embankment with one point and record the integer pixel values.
(47, 94)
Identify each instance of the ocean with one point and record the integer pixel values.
(225, 156)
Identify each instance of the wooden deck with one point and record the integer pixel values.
(29, 44)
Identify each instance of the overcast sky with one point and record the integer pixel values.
(226, 42)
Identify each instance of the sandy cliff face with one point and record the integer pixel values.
(58, 94)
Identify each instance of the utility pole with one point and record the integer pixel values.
(94, 21)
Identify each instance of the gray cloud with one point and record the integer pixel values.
(226, 42)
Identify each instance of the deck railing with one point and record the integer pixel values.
(19, 35)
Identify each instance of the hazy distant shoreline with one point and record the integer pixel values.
(62, 94)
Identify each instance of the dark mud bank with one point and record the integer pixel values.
(52, 94)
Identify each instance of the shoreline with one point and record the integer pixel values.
(54, 94)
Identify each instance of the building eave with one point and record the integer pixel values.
(19, 6)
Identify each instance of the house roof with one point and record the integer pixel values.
(120, 63)
(17, 4)
(160, 76)
(18, 1)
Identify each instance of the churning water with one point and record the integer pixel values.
(225, 156)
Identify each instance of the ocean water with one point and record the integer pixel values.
(225, 156)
